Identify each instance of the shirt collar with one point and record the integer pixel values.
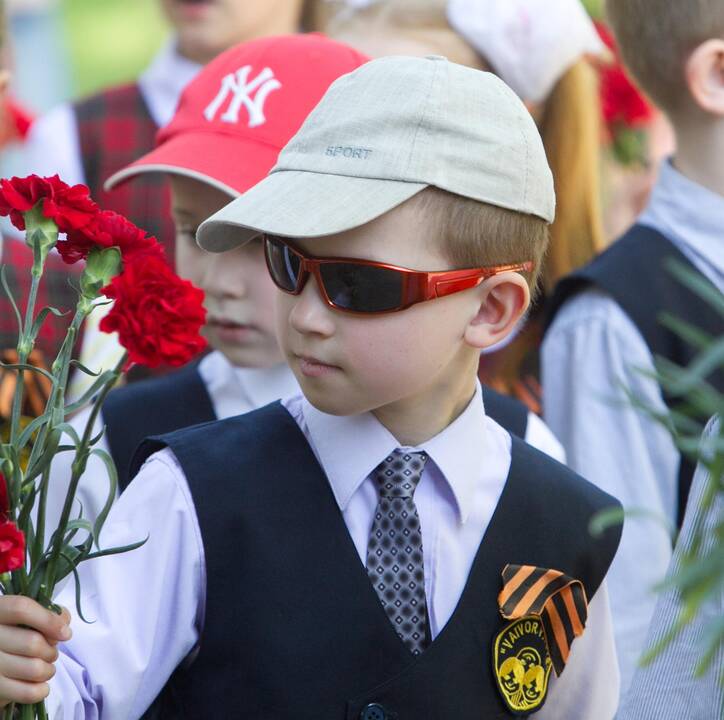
(162, 82)
(690, 215)
(349, 448)
(265, 385)
(235, 389)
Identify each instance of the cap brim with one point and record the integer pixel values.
(295, 203)
(232, 165)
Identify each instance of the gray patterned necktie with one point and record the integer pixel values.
(394, 549)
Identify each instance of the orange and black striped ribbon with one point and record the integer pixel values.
(559, 601)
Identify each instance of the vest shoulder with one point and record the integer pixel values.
(266, 423)
(547, 477)
(153, 389)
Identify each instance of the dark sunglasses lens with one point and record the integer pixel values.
(362, 288)
(282, 262)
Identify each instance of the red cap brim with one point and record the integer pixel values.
(233, 166)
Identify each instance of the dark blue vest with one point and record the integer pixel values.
(153, 407)
(180, 399)
(293, 628)
(633, 272)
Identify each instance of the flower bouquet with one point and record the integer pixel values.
(157, 317)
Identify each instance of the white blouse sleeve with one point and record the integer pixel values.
(145, 606)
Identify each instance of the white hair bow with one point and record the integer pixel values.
(529, 43)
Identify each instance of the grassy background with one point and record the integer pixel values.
(110, 41)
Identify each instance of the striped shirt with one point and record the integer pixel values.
(666, 689)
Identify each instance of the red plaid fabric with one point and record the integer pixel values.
(55, 290)
(114, 129)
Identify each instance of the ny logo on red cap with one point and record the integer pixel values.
(251, 94)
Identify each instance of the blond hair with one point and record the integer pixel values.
(570, 123)
(656, 38)
(475, 234)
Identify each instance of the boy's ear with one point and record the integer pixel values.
(504, 300)
(705, 76)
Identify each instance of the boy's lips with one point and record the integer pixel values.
(313, 367)
(230, 330)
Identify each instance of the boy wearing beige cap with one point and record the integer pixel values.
(378, 548)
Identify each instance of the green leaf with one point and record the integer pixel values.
(714, 631)
(697, 283)
(32, 368)
(683, 380)
(117, 550)
(76, 578)
(30, 428)
(83, 368)
(4, 281)
(605, 519)
(90, 393)
(40, 319)
(688, 333)
(112, 488)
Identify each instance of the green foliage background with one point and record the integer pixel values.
(110, 41)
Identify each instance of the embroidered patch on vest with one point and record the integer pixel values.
(522, 665)
(557, 599)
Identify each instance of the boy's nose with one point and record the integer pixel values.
(224, 279)
(310, 314)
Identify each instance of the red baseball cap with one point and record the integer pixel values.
(236, 115)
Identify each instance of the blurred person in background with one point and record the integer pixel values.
(539, 48)
(667, 688)
(88, 140)
(16, 259)
(606, 328)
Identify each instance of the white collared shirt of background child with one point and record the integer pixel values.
(148, 605)
(591, 350)
(232, 390)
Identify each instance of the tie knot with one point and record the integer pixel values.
(399, 473)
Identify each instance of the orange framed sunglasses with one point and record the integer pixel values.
(365, 286)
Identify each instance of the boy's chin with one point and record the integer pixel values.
(333, 403)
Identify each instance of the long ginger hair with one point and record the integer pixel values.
(569, 120)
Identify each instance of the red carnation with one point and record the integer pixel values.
(621, 101)
(69, 207)
(156, 314)
(12, 547)
(107, 229)
(19, 195)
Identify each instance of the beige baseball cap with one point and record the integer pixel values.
(383, 133)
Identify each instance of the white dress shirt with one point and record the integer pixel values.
(148, 605)
(593, 349)
(233, 390)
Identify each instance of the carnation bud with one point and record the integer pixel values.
(101, 267)
(41, 235)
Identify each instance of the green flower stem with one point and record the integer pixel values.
(27, 712)
(41, 711)
(77, 472)
(60, 370)
(37, 549)
(25, 345)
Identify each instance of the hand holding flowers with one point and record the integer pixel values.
(157, 316)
